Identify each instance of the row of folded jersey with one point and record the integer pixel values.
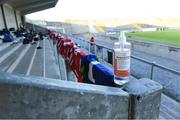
(54, 35)
(85, 66)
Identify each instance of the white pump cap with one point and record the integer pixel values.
(122, 39)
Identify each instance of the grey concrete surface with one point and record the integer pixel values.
(1, 19)
(22, 67)
(59, 61)
(31, 97)
(145, 96)
(3, 45)
(8, 48)
(18, 18)
(37, 68)
(70, 74)
(62, 67)
(10, 59)
(51, 65)
(169, 109)
(160, 60)
(75, 29)
(9, 16)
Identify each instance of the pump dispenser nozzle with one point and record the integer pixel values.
(122, 40)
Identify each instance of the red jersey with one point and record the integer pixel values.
(62, 46)
(75, 63)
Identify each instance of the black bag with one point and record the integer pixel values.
(26, 41)
(11, 29)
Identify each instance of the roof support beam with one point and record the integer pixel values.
(4, 17)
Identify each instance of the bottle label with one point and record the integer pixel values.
(122, 63)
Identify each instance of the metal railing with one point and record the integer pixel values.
(154, 64)
(86, 45)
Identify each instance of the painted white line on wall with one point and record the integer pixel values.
(9, 53)
(22, 54)
(32, 60)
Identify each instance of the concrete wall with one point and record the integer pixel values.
(10, 17)
(75, 29)
(1, 20)
(79, 29)
(23, 97)
(35, 97)
(18, 18)
(157, 49)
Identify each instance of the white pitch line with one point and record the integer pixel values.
(9, 53)
(32, 60)
(22, 54)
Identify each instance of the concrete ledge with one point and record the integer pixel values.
(33, 97)
(145, 98)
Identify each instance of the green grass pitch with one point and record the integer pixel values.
(168, 37)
